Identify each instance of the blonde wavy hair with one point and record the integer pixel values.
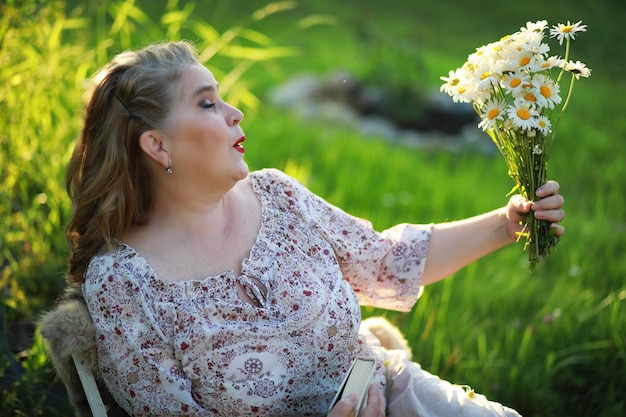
(108, 179)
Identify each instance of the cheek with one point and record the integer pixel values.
(203, 134)
(197, 135)
(193, 131)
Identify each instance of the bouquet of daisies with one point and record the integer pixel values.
(513, 85)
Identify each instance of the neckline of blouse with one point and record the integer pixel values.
(247, 266)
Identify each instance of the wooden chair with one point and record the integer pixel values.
(70, 338)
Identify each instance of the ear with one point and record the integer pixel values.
(153, 144)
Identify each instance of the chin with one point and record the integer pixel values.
(243, 171)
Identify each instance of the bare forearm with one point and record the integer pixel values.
(455, 244)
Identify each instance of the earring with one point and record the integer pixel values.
(169, 166)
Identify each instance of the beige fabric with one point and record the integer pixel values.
(415, 392)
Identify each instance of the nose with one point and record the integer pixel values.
(233, 115)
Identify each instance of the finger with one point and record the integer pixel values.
(550, 187)
(382, 403)
(375, 403)
(550, 215)
(519, 204)
(345, 407)
(547, 203)
(558, 229)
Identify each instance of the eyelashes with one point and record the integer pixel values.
(206, 104)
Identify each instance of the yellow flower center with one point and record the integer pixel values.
(462, 90)
(515, 82)
(530, 97)
(493, 113)
(484, 75)
(542, 123)
(567, 29)
(545, 91)
(524, 61)
(523, 114)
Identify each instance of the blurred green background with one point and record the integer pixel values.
(550, 343)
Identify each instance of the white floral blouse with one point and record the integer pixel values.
(194, 348)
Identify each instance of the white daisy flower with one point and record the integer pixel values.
(485, 52)
(452, 83)
(543, 125)
(548, 91)
(493, 110)
(523, 115)
(538, 26)
(578, 69)
(528, 95)
(568, 31)
(536, 63)
(481, 96)
(523, 59)
(480, 63)
(551, 62)
(498, 51)
(513, 82)
(503, 65)
(533, 42)
(536, 47)
(487, 80)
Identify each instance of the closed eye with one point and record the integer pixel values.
(206, 104)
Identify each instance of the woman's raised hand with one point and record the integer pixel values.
(547, 207)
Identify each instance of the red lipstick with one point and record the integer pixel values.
(238, 145)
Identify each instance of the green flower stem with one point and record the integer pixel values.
(566, 57)
(528, 169)
(565, 103)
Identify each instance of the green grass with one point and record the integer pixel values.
(549, 344)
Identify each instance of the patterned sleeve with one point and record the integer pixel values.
(135, 358)
(384, 268)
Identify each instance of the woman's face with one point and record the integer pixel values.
(205, 145)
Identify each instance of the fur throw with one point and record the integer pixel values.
(389, 335)
(68, 330)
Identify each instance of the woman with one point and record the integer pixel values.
(221, 292)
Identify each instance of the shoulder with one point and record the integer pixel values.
(276, 183)
(118, 263)
(272, 177)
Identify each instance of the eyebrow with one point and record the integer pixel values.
(205, 88)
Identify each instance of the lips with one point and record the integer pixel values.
(238, 145)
